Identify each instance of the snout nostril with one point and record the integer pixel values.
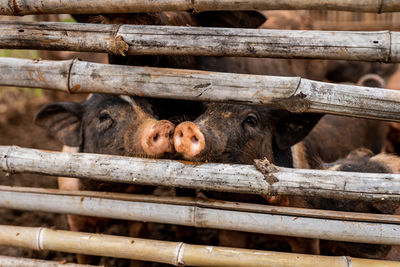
(195, 139)
(180, 133)
(155, 138)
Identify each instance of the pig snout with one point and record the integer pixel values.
(188, 139)
(158, 138)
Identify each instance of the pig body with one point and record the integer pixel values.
(361, 160)
(336, 136)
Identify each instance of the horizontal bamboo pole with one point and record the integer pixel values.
(209, 203)
(25, 7)
(291, 93)
(166, 252)
(6, 261)
(211, 176)
(209, 214)
(381, 46)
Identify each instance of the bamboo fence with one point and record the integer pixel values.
(291, 93)
(167, 252)
(6, 261)
(318, 224)
(381, 46)
(25, 7)
(211, 176)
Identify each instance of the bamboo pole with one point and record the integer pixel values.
(25, 7)
(167, 252)
(207, 214)
(6, 261)
(291, 93)
(145, 40)
(209, 203)
(211, 176)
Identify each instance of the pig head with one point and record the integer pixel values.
(233, 133)
(106, 124)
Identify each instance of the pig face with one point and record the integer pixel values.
(234, 133)
(107, 124)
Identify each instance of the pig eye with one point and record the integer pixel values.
(105, 121)
(251, 120)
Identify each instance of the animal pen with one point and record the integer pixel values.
(291, 93)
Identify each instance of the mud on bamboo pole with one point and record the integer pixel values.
(145, 40)
(166, 252)
(25, 7)
(211, 176)
(208, 214)
(291, 93)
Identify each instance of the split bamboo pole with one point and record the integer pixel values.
(6, 261)
(175, 253)
(381, 46)
(211, 176)
(291, 93)
(25, 7)
(209, 214)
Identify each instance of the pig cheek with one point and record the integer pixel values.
(257, 148)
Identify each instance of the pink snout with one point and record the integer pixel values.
(188, 139)
(158, 138)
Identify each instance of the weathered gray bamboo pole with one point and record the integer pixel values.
(291, 93)
(145, 40)
(205, 215)
(211, 176)
(25, 7)
(6, 261)
(226, 205)
(175, 253)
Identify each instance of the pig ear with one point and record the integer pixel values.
(63, 121)
(234, 19)
(291, 128)
(372, 80)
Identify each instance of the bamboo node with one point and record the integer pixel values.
(179, 255)
(119, 46)
(39, 238)
(267, 169)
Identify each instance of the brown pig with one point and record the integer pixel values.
(106, 124)
(361, 160)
